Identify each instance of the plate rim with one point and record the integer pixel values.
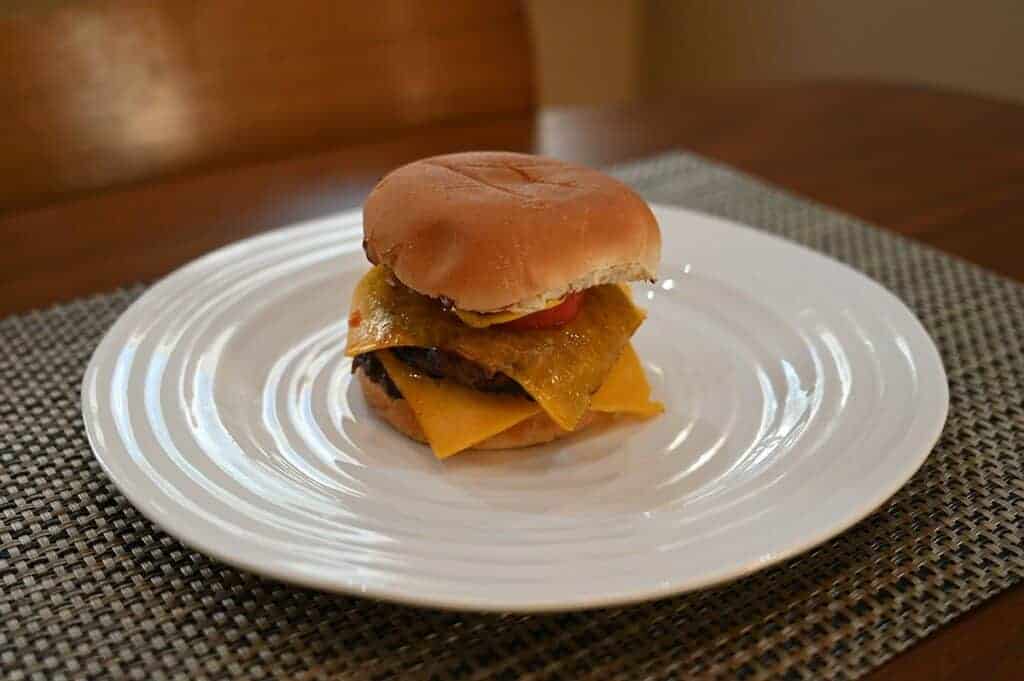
(108, 346)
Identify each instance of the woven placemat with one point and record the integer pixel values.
(90, 589)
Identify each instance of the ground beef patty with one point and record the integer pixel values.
(438, 363)
(375, 371)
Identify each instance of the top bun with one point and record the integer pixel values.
(498, 231)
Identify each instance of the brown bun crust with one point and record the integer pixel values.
(533, 431)
(502, 231)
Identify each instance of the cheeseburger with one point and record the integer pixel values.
(497, 313)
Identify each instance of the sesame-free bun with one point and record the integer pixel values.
(498, 231)
(535, 430)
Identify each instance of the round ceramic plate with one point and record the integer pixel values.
(799, 396)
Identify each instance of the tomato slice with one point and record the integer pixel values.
(558, 315)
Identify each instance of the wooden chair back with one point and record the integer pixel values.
(100, 93)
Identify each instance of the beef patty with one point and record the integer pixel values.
(438, 363)
(375, 371)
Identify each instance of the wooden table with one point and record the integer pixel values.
(946, 169)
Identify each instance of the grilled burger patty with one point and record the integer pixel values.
(375, 371)
(438, 363)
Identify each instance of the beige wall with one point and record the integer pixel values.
(641, 47)
(968, 45)
(587, 51)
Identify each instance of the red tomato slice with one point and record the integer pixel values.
(560, 314)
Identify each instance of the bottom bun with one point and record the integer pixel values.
(535, 430)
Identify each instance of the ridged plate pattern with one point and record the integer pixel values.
(799, 395)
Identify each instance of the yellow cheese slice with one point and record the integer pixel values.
(626, 389)
(452, 416)
(561, 368)
(480, 320)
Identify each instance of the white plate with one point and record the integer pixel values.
(800, 395)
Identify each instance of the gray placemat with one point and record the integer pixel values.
(90, 589)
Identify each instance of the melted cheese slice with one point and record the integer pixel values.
(480, 320)
(454, 417)
(626, 389)
(561, 368)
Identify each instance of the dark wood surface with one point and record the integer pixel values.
(102, 92)
(946, 169)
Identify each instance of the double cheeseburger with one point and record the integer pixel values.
(497, 313)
